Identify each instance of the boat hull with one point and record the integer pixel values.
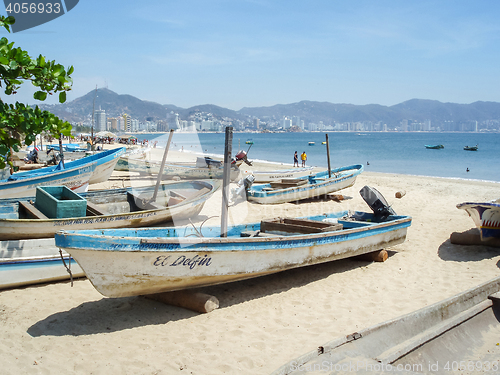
(77, 179)
(486, 216)
(341, 178)
(29, 262)
(426, 341)
(261, 176)
(121, 266)
(106, 161)
(173, 170)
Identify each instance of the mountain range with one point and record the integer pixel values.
(418, 110)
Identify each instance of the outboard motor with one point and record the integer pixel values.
(243, 185)
(377, 203)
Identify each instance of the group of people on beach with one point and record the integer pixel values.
(303, 157)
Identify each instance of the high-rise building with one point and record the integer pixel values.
(256, 124)
(112, 124)
(127, 122)
(100, 120)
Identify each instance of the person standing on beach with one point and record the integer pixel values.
(303, 157)
(295, 159)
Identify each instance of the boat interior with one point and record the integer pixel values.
(118, 201)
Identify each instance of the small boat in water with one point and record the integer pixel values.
(471, 148)
(130, 262)
(486, 216)
(311, 143)
(434, 147)
(116, 208)
(291, 190)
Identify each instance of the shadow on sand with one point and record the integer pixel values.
(117, 314)
(466, 253)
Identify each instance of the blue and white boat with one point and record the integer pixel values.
(106, 161)
(291, 190)
(27, 262)
(276, 175)
(486, 216)
(129, 262)
(76, 174)
(24, 184)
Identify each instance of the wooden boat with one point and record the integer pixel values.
(117, 208)
(268, 176)
(486, 216)
(106, 161)
(22, 184)
(129, 262)
(455, 336)
(26, 262)
(291, 190)
(434, 147)
(76, 175)
(203, 168)
(471, 148)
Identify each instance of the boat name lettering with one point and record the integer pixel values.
(104, 219)
(163, 260)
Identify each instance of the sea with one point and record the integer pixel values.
(387, 152)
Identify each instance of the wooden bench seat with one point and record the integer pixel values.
(31, 211)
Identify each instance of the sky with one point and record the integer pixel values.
(252, 53)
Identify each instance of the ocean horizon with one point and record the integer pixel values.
(386, 152)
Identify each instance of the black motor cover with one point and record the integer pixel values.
(377, 202)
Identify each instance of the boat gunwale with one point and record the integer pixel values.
(29, 179)
(352, 171)
(403, 221)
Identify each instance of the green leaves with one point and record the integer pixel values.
(40, 95)
(20, 121)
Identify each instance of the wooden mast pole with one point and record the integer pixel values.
(328, 156)
(225, 180)
(160, 173)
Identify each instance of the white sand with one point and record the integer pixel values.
(264, 322)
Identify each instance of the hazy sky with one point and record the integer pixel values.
(247, 53)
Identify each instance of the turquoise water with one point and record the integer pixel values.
(385, 152)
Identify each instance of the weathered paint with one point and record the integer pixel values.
(182, 170)
(26, 262)
(25, 184)
(261, 176)
(318, 185)
(142, 261)
(486, 216)
(15, 228)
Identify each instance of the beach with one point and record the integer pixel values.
(264, 322)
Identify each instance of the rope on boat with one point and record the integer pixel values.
(198, 231)
(67, 268)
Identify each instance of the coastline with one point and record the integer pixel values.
(261, 323)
